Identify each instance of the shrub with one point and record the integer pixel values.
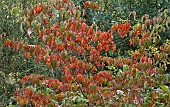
(77, 55)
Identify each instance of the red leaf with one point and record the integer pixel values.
(86, 4)
(51, 15)
(67, 78)
(39, 9)
(49, 41)
(44, 20)
(6, 43)
(79, 39)
(127, 25)
(65, 1)
(149, 60)
(120, 26)
(79, 77)
(98, 64)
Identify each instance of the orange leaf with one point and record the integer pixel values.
(39, 9)
(28, 55)
(96, 5)
(131, 42)
(93, 69)
(72, 44)
(120, 26)
(99, 47)
(79, 77)
(37, 105)
(40, 34)
(114, 48)
(90, 32)
(6, 43)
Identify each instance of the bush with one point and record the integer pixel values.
(82, 61)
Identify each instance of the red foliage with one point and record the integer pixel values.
(37, 10)
(65, 1)
(44, 21)
(121, 29)
(27, 95)
(86, 4)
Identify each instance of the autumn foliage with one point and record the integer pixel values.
(80, 51)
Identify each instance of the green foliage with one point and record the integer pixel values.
(75, 100)
(13, 65)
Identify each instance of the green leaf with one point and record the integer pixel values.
(137, 73)
(49, 25)
(93, 87)
(125, 67)
(66, 15)
(62, 27)
(14, 11)
(78, 105)
(164, 88)
(79, 99)
(145, 84)
(53, 63)
(64, 54)
(34, 88)
(45, 9)
(85, 100)
(79, 14)
(12, 106)
(144, 74)
(54, 101)
(74, 12)
(46, 40)
(119, 1)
